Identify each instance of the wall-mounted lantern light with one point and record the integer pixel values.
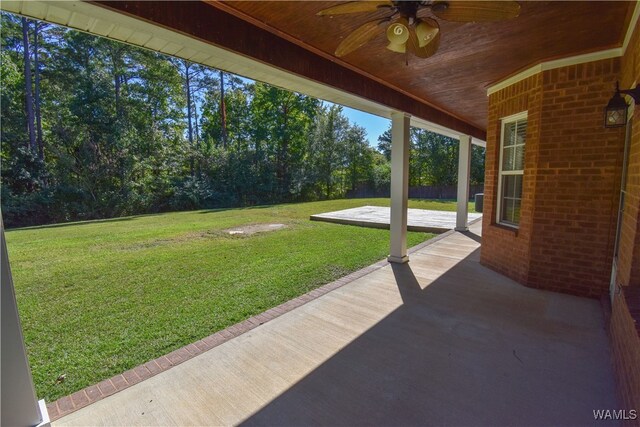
(615, 114)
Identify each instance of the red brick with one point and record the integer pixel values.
(142, 372)
(163, 362)
(254, 321)
(263, 318)
(153, 367)
(54, 412)
(175, 357)
(567, 230)
(316, 293)
(203, 345)
(226, 333)
(272, 313)
(106, 387)
(184, 353)
(131, 377)
(93, 393)
(268, 315)
(65, 405)
(246, 325)
(305, 298)
(571, 166)
(625, 345)
(215, 339)
(119, 382)
(79, 399)
(193, 349)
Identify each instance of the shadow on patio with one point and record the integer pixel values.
(471, 348)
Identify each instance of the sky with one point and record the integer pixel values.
(374, 125)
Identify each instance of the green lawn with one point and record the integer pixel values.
(97, 298)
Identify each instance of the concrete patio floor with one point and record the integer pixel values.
(439, 341)
(421, 220)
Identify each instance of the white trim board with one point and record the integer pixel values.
(632, 24)
(103, 22)
(571, 60)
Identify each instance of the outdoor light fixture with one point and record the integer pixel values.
(426, 32)
(398, 35)
(615, 114)
(414, 35)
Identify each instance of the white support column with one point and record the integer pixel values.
(19, 404)
(399, 186)
(464, 172)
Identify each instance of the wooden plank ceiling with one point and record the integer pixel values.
(471, 55)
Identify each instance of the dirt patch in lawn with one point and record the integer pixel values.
(248, 230)
(243, 231)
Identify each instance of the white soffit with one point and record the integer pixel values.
(572, 60)
(100, 21)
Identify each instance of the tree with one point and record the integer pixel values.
(38, 27)
(384, 144)
(225, 120)
(441, 160)
(192, 75)
(223, 112)
(326, 153)
(92, 128)
(281, 120)
(28, 86)
(358, 156)
(419, 158)
(434, 158)
(477, 164)
(13, 132)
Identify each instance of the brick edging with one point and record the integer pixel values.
(88, 395)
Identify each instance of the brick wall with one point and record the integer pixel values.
(505, 249)
(625, 348)
(624, 328)
(570, 197)
(629, 259)
(578, 175)
(571, 181)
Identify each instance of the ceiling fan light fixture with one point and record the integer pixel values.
(426, 33)
(407, 32)
(397, 34)
(397, 47)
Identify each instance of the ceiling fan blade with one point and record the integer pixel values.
(360, 36)
(475, 11)
(355, 7)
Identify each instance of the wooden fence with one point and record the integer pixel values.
(422, 192)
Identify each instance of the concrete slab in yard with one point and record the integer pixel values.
(422, 220)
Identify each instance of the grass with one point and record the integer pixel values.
(97, 298)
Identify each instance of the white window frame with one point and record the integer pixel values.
(503, 123)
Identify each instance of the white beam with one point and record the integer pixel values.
(399, 186)
(19, 403)
(464, 171)
(441, 130)
(479, 143)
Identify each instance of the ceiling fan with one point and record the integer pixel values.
(410, 25)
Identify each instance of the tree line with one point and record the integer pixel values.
(92, 128)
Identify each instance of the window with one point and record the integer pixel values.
(514, 136)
